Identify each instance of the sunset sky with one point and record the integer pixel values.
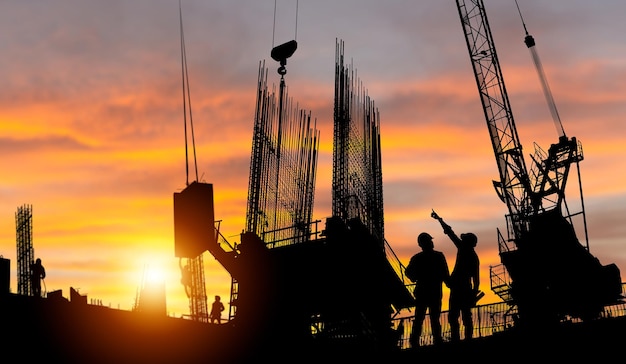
(91, 121)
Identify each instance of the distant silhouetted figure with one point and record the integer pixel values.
(216, 310)
(464, 281)
(37, 273)
(429, 270)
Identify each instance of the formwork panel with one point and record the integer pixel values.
(194, 221)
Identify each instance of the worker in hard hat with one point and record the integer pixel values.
(464, 281)
(429, 270)
(217, 307)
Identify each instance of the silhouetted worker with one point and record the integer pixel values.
(216, 310)
(464, 281)
(185, 278)
(37, 273)
(429, 270)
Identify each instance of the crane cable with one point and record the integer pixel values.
(274, 26)
(530, 43)
(186, 99)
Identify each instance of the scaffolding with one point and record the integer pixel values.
(284, 268)
(282, 167)
(357, 175)
(25, 250)
(196, 291)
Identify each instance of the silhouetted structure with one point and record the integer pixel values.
(552, 275)
(193, 212)
(357, 167)
(193, 227)
(25, 250)
(5, 276)
(283, 167)
(150, 297)
(285, 269)
(304, 294)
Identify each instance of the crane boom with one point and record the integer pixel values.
(514, 183)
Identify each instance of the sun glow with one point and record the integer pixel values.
(153, 274)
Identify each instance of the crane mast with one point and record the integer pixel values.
(551, 275)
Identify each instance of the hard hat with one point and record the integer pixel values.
(470, 238)
(423, 237)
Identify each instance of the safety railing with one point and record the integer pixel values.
(488, 320)
(397, 266)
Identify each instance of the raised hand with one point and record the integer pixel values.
(446, 228)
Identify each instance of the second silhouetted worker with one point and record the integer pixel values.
(464, 281)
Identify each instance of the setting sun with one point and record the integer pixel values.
(154, 274)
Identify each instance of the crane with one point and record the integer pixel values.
(550, 274)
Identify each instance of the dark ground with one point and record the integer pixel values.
(41, 329)
(600, 341)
